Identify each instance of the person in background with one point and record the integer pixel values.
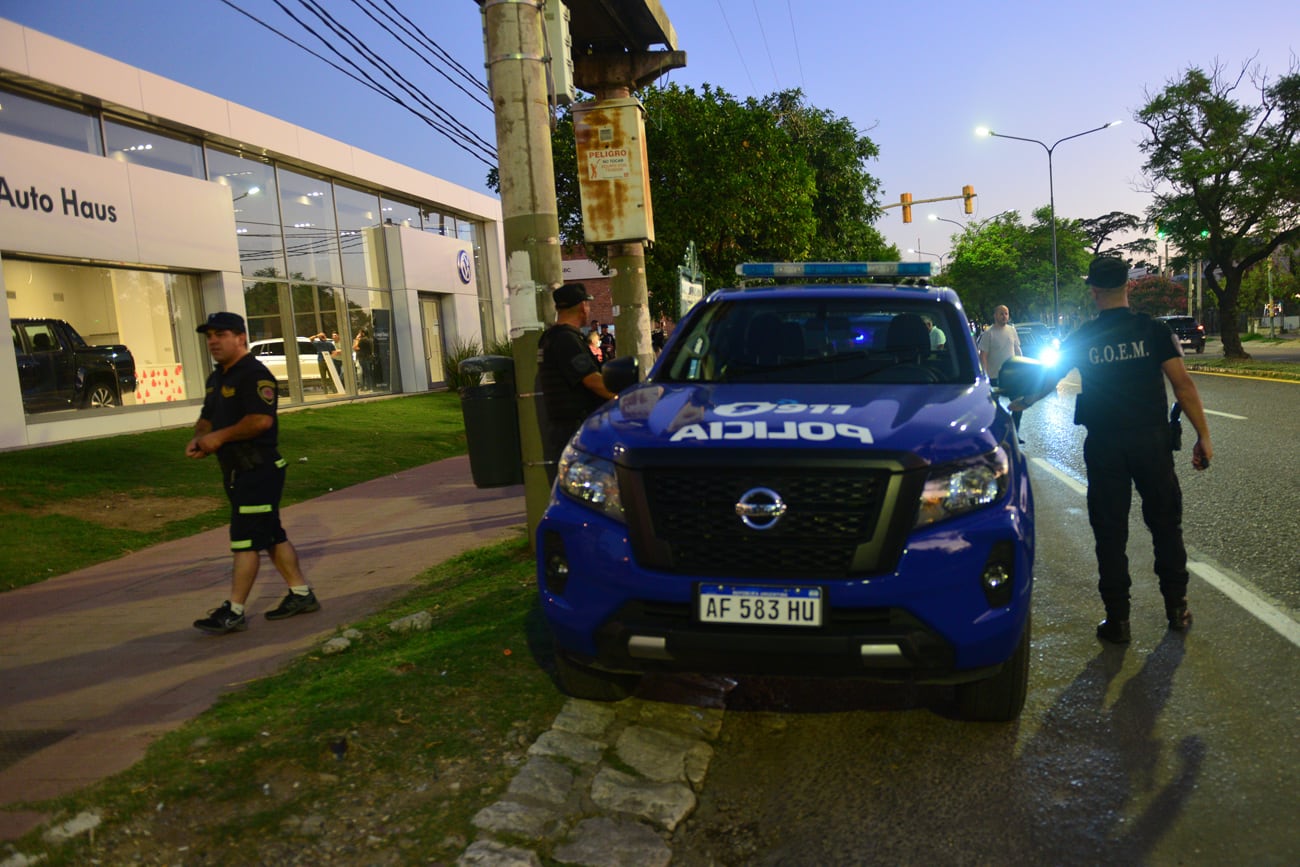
(593, 345)
(998, 343)
(607, 345)
(1124, 360)
(238, 424)
(568, 376)
(938, 340)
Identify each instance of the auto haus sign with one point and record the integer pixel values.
(67, 201)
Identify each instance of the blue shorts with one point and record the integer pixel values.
(255, 506)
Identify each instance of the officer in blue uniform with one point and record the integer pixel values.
(1124, 360)
(238, 424)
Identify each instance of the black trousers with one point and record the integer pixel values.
(1118, 461)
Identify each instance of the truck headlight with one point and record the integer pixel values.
(955, 489)
(590, 480)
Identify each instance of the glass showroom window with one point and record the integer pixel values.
(310, 234)
(400, 213)
(251, 181)
(35, 119)
(122, 311)
(371, 323)
(129, 143)
(359, 239)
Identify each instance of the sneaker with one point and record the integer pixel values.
(222, 620)
(1114, 631)
(294, 604)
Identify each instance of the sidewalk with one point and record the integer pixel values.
(97, 664)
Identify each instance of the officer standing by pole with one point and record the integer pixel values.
(1124, 360)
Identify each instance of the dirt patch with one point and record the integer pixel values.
(121, 511)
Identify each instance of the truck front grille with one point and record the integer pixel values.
(691, 512)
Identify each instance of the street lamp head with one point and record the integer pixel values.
(983, 131)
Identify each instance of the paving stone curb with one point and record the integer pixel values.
(605, 786)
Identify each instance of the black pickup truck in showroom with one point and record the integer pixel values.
(58, 369)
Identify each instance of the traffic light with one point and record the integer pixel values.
(1160, 230)
(968, 198)
(906, 200)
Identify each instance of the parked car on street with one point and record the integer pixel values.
(1188, 331)
(801, 486)
(58, 369)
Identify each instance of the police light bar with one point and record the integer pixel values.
(833, 269)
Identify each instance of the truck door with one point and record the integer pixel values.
(43, 369)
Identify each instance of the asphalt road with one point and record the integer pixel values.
(1178, 749)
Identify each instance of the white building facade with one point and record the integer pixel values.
(132, 206)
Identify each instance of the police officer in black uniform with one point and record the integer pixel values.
(568, 375)
(238, 424)
(1123, 360)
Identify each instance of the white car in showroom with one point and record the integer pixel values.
(312, 367)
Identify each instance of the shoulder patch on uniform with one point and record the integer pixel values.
(266, 388)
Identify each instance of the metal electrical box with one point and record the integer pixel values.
(559, 43)
(613, 176)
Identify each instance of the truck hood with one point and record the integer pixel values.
(936, 423)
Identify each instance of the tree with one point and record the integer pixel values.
(1100, 229)
(1227, 169)
(772, 179)
(1157, 295)
(1004, 261)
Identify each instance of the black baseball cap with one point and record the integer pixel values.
(1107, 272)
(223, 321)
(570, 295)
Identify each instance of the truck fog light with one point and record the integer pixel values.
(997, 585)
(556, 564)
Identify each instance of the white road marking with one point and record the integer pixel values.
(1252, 603)
(1226, 415)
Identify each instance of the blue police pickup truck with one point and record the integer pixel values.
(803, 486)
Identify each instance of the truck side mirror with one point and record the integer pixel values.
(621, 373)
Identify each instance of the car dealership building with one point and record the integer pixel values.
(132, 206)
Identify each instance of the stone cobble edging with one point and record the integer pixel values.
(606, 786)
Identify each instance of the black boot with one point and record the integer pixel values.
(1114, 630)
(1180, 618)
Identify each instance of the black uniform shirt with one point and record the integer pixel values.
(246, 388)
(563, 363)
(1119, 356)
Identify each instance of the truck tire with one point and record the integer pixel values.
(1001, 697)
(579, 681)
(102, 394)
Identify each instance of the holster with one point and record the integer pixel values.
(239, 457)
(1175, 428)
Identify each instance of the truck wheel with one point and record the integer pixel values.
(102, 394)
(1001, 697)
(579, 681)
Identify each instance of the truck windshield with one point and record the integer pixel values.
(822, 341)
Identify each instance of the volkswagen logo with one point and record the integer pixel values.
(463, 266)
(760, 508)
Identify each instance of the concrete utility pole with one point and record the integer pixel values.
(517, 75)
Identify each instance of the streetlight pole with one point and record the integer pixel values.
(961, 226)
(920, 253)
(1051, 202)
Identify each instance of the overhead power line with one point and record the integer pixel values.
(442, 121)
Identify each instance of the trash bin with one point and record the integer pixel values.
(492, 422)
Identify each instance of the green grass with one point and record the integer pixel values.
(436, 724)
(87, 502)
